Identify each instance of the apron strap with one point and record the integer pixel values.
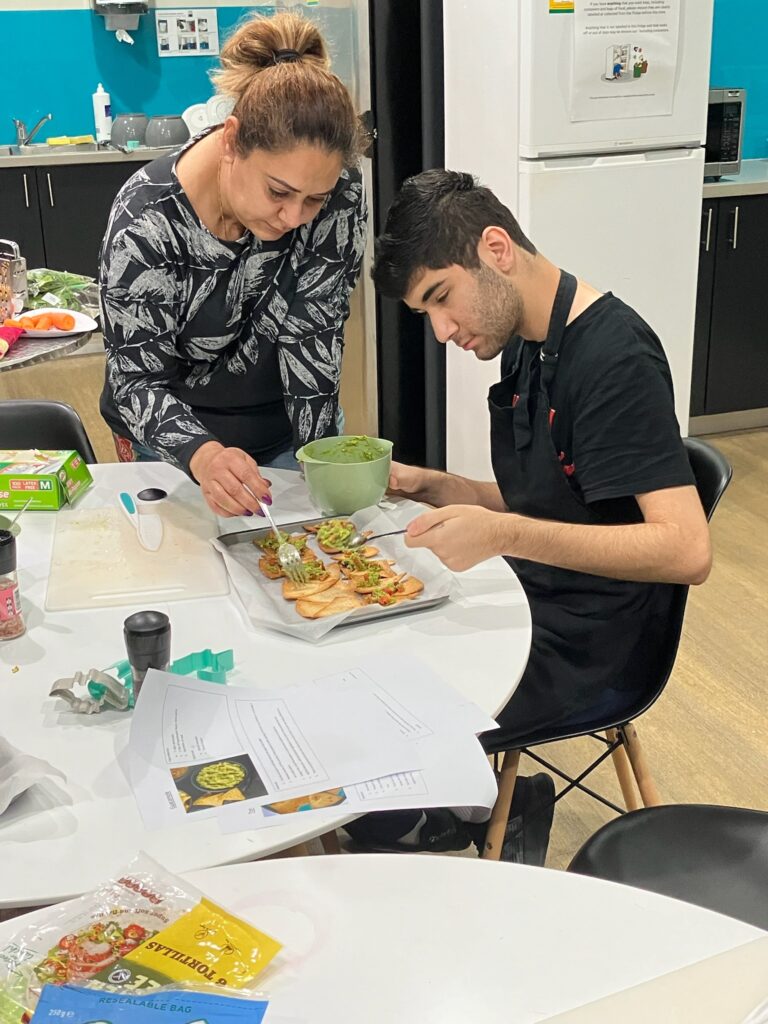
(550, 350)
(549, 353)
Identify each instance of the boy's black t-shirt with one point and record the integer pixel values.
(612, 412)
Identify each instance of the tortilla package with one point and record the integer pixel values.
(74, 941)
(207, 945)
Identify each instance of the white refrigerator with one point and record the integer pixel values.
(617, 201)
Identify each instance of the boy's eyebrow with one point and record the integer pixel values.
(431, 290)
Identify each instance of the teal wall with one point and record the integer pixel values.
(59, 57)
(740, 60)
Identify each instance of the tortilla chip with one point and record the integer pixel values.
(178, 773)
(185, 799)
(322, 604)
(358, 578)
(214, 800)
(340, 605)
(314, 527)
(411, 587)
(293, 591)
(233, 795)
(270, 567)
(369, 552)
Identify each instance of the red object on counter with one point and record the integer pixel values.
(8, 338)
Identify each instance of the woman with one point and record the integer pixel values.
(226, 272)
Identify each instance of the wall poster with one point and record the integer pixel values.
(187, 32)
(624, 59)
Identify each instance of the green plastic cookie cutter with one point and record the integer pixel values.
(207, 665)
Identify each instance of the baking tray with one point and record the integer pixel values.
(367, 614)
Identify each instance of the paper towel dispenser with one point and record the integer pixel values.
(121, 14)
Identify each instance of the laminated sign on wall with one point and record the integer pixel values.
(187, 32)
(624, 58)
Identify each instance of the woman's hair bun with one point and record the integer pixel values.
(277, 71)
(264, 42)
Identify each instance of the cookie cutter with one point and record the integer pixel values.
(113, 687)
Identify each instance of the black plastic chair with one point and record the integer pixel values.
(33, 423)
(615, 716)
(715, 857)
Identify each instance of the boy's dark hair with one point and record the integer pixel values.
(437, 220)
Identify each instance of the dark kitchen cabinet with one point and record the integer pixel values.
(75, 200)
(58, 214)
(20, 213)
(730, 367)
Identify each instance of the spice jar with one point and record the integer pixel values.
(11, 619)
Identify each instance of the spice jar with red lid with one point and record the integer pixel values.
(11, 619)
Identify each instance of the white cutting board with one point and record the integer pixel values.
(97, 560)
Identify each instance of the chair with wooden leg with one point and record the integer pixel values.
(612, 724)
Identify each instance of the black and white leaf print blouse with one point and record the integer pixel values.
(239, 342)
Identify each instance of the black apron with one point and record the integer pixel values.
(594, 638)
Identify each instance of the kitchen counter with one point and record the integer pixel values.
(53, 156)
(752, 181)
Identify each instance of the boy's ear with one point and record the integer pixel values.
(497, 249)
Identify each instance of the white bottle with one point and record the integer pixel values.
(102, 114)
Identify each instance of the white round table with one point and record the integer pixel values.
(59, 838)
(449, 939)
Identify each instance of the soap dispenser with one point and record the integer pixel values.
(102, 114)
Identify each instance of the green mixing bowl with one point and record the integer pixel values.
(347, 473)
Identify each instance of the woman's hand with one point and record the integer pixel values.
(230, 480)
(460, 535)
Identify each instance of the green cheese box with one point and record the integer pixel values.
(49, 478)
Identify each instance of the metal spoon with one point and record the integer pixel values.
(22, 509)
(12, 522)
(358, 540)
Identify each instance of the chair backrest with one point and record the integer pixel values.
(32, 423)
(715, 857)
(712, 471)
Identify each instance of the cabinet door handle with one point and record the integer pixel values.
(50, 188)
(735, 236)
(709, 230)
(26, 192)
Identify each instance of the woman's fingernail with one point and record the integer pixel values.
(267, 500)
(247, 512)
(267, 482)
(260, 513)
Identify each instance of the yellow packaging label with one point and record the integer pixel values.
(206, 945)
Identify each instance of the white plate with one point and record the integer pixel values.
(82, 323)
(196, 118)
(219, 108)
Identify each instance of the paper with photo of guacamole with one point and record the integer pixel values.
(215, 783)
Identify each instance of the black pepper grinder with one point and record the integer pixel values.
(148, 644)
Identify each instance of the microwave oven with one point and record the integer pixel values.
(725, 130)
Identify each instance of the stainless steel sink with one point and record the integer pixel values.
(38, 149)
